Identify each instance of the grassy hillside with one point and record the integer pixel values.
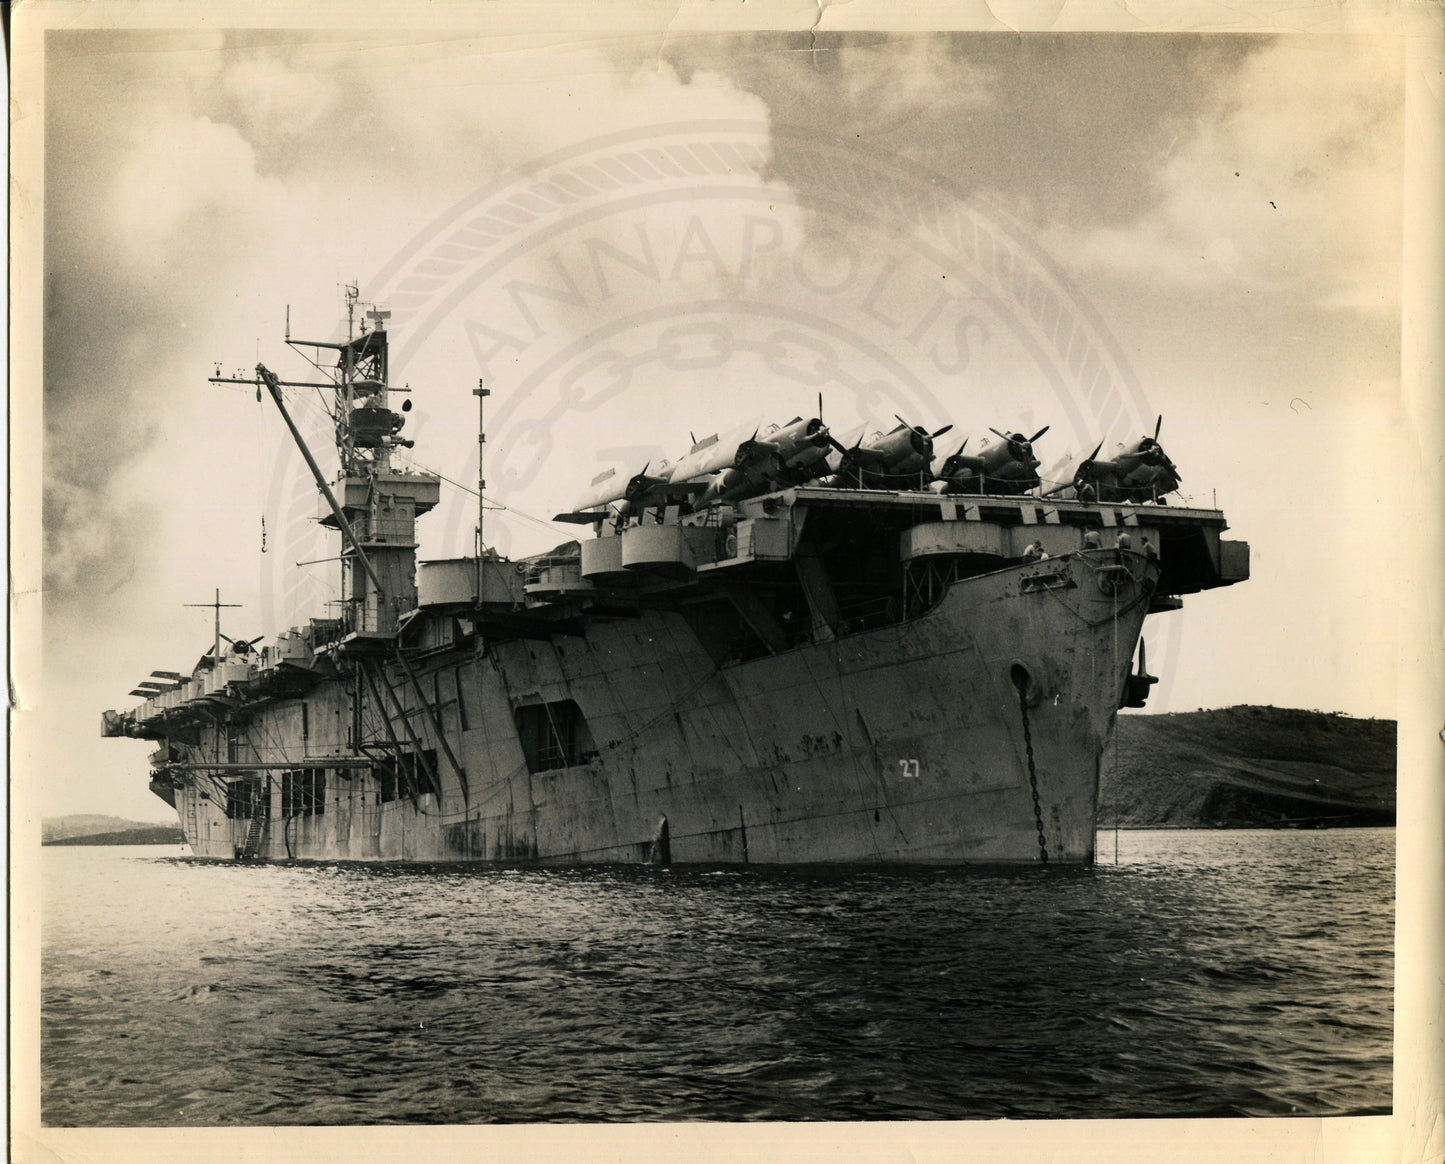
(145, 835)
(1249, 766)
(88, 824)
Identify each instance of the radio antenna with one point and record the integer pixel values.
(481, 392)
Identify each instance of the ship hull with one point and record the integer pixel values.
(970, 734)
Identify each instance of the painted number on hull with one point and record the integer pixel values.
(909, 769)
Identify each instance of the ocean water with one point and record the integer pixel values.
(1238, 973)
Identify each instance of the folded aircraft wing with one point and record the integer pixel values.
(713, 453)
(605, 488)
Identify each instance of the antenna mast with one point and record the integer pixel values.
(481, 392)
(373, 505)
(352, 294)
(217, 604)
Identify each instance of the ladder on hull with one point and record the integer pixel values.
(254, 834)
(191, 825)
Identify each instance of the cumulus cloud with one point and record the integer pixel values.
(1286, 182)
(891, 83)
(280, 100)
(148, 199)
(196, 184)
(183, 171)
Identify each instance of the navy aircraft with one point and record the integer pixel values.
(612, 495)
(750, 460)
(772, 458)
(885, 460)
(1003, 466)
(1139, 471)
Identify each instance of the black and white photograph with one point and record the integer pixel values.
(669, 581)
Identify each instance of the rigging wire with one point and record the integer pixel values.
(493, 503)
(306, 406)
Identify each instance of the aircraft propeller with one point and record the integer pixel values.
(1021, 448)
(1081, 474)
(1154, 452)
(828, 432)
(922, 438)
(950, 464)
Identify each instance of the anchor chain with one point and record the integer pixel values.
(1033, 777)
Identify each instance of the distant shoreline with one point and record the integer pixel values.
(135, 839)
(1244, 767)
(1236, 828)
(155, 835)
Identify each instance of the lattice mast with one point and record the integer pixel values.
(373, 504)
(379, 502)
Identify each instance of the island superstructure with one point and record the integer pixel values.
(785, 647)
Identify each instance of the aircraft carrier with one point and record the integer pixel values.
(788, 646)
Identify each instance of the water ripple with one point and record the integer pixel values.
(1230, 974)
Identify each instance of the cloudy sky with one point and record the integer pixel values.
(1219, 216)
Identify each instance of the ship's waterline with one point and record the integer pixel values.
(781, 648)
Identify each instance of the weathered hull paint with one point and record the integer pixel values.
(902, 744)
